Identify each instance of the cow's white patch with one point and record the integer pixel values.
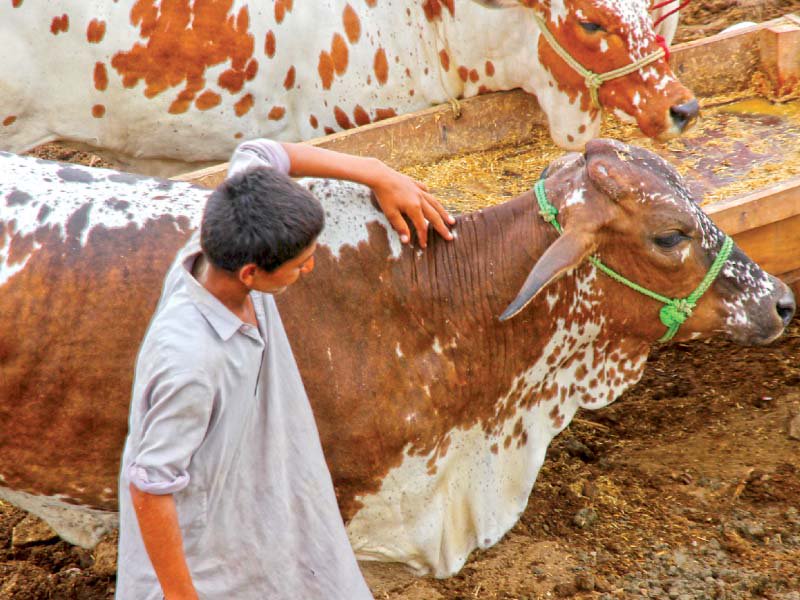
(437, 347)
(348, 215)
(603, 46)
(398, 351)
(637, 99)
(575, 197)
(36, 194)
(623, 116)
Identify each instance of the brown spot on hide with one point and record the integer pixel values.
(473, 75)
(231, 80)
(281, 8)
(269, 44)
(16, 3)
(276, 113)
(325, 69)
(352, 24)
(483, 90)
(95, 31)
(489, 68)
(444, 58)
(581, 372)
(89, 285)
(582, 129)
(59, 24)
(380, 66)
(182, 41)
(384, 113)
(371, 3)
(238, 136)
(251, 70)
(329, 130)
(207, 100)
(312, 120)
(570, 138)
(463, 73)
(341, 118)
(339, 54)
(494, 449)
(288, 81)
(433, 8)
(243, 106)
(360, 115)
(9, 120)
(100, 76)
(98, 111)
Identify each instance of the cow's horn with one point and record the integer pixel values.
(566, 253)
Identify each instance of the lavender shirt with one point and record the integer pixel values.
(220, 419)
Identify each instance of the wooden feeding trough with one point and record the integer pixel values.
(743, 159)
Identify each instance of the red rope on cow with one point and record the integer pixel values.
(683, 4)
(663, 43)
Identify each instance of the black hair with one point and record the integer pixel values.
(259, 216)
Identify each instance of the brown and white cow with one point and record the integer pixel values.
(434, 415)
(153, 82)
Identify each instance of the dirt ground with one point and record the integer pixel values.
(687, 487)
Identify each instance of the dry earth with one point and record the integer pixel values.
(687, 488)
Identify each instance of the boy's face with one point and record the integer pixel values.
(275, 282)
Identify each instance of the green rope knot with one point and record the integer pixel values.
(675, 312)
(549, 213)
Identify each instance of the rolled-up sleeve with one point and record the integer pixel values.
(179, 407)
(259, 153)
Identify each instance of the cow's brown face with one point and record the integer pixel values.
(603, 36)
(630, 208)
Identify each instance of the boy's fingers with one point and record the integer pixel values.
(399, 224)
(421, 225)
(436, 220)
(440, 209)
(422, 186)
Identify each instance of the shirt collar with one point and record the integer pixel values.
(219, 316)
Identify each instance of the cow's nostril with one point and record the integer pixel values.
(786, 307)
(684, 114)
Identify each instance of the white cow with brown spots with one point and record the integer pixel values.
(161, 84)
(434, 415)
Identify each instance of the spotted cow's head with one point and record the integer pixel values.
(631, 209)
(602, 36)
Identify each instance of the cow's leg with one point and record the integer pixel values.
(78, 525)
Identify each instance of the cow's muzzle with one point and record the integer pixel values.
(684, 115)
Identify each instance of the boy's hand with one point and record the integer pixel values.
(399, 195)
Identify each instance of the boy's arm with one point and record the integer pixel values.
(397, 194)
(158, 524)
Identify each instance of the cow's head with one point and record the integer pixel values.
(601, 37)
(631, 209)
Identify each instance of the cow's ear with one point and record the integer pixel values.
(566, 253)
(611, 176)
(499, 3)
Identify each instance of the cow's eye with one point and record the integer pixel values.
(591, 27)
(669, 240)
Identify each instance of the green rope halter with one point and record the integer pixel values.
(675, 310)
(594, 80)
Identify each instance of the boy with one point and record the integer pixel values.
(224, 490)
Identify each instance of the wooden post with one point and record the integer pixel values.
(780, 55)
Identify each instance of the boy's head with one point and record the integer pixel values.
(261, 226)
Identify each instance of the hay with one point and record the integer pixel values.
(741, 143)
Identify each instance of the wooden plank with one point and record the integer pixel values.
(776, 247)
(484, 122)
(756, 209)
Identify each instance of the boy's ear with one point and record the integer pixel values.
(247, 273)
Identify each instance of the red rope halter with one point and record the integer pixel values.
(660, 38)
